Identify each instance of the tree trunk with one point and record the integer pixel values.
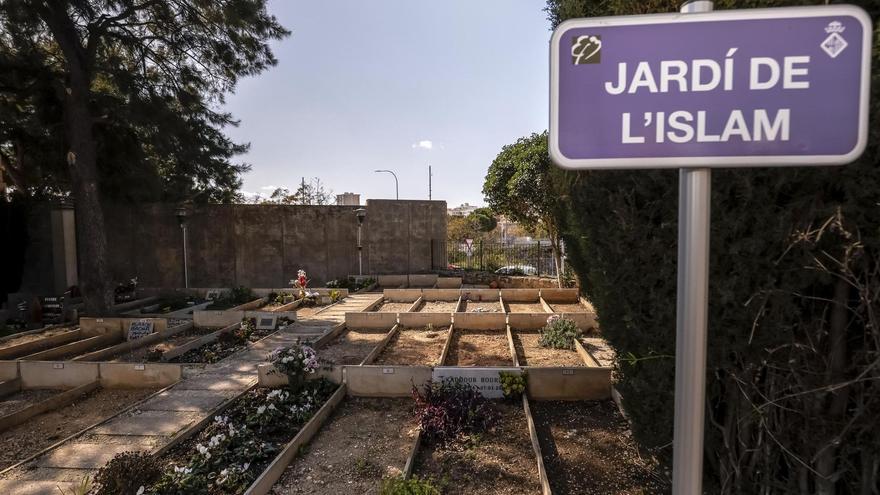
(557, 258)
(82, 160)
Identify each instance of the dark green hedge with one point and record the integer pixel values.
(794, 343)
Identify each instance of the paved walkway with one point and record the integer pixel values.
(154, 423)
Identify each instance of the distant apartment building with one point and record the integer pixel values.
(348, 199)
(462, 211)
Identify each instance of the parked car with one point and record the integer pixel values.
(517, 270)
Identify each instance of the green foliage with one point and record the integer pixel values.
(409, 486)
(793, 332)
(234, 297)
(126, 473)
(512, 384)
(560, 333)
(157, 72)
(521, 185)
(83, 487)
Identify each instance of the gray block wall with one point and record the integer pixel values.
(265, 245)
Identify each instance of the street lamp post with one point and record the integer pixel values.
(361, 214)
(396, 190)
(180, 213)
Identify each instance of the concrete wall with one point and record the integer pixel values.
(265, 245)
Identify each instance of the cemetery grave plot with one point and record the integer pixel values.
(24, 398)
(600, 350)
(352, 347)
(520, 307)
(500, 461)
(438, 307)
(530, 352)
(365, 440)
(479, 348)
(227, 344)
(394, 307)
(171, 303)
(73, 348)
(14, 340)
(24, 345)
(481, 307)
(270, 433)
(588, 448)
(39, 432)
(568, 307)
(153, 353)
(414, 347)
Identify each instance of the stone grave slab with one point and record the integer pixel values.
(186, 400)
(220, 382)
(84, 455)
(149, 423)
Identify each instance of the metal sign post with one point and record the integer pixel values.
(736, 88)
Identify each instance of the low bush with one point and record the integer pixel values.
(450, 409)
(410, 486)
(512, 384)
(560, 333)
(295, 361)
(126, 473)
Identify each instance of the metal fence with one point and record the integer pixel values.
(532, 258)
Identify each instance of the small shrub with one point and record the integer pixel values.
(411, 486)
(126, 473)
(560, 333)
(449, 409)
(512, 384)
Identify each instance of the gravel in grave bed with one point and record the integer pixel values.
(41, 431)
(352, 347)
(500, 461)
(414, 347)
(150, 353)
(394, 307)
(364, 441)
(23, 339)
(600, 350)
(526, 307)
(588, 448)
(226, 345)
(23, 399)
(568, 307)
(479, 348)
(530, 353)
(481, 307)
(250, 436)
(438, 307)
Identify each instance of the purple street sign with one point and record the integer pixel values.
(737, 88)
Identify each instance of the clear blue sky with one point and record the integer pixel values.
(359, 83)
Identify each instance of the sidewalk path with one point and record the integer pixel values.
(155, 423)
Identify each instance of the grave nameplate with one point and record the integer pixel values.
(139, 329)
(266, 322)
(485, 380)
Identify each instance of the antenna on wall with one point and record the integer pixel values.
(429, 182)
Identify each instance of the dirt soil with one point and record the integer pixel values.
(526, 308)
(530, 352)
(95, 347)
(481, 307)
(438, 307)
(140, 355)
(600, 350)
(23, 399)
(479, 348)
(568, 308)
(394, 307)
(34, 336)
(588, 448)
(499, 462)
(365, 440)
(351, 347)
(46, 429)
(413, 347)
